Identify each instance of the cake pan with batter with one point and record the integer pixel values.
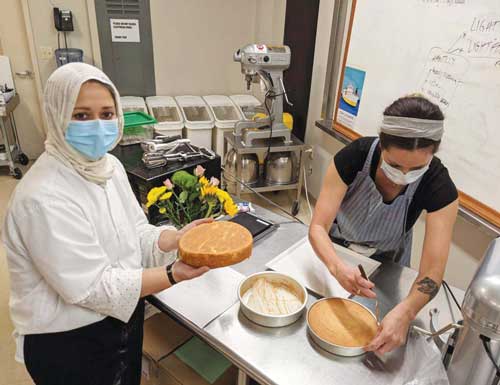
(341, 326)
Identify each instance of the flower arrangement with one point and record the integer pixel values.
(190, 196)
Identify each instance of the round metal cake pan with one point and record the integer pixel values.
(273, 321)
(346, 351)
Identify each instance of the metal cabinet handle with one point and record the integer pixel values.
(25, 74)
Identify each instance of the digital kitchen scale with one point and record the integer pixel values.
(258, 227)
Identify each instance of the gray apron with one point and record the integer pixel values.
(364, 220)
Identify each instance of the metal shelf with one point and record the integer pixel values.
(261, 186)
(263, 145)
(11, 105)
(261, 148)
(12, 149)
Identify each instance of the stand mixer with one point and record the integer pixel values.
(266, 63)
(471, 361)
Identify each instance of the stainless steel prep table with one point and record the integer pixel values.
(286, 355)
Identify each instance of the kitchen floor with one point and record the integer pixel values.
(13, 373)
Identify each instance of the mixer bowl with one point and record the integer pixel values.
(249, 169)
(281, 168)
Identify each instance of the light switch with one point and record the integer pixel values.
(46, 53)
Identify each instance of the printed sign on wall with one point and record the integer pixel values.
(125, 30)
(350, 98)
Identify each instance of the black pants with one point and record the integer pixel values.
(107, 352)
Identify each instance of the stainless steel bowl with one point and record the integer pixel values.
(273, 321)
(281, 168)
(249, 169)
(340, 350)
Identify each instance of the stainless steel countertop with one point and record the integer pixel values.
(288, 232)
(287, 355)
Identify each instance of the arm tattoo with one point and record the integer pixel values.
(428, 286)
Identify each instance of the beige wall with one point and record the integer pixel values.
(468, 246)
(194, 42)
(270, 21)
(16, 38)
(469, 241)
(45, 35)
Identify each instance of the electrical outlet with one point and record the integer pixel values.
(319, 164)
(46, 53)
(309, 160)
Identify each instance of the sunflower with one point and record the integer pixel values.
(222, 195)
(230, 208)
(166, 196)
(203, 181)
(154, 194)
(208, 190)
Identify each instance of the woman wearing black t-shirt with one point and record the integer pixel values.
(373, 193)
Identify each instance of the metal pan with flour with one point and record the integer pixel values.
(283, 289)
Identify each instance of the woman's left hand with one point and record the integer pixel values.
(392, 331)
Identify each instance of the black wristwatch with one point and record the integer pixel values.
(170, 274)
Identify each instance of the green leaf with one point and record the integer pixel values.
(184, 180)
(183, 196)
(193, 196)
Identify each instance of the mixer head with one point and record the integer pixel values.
(255, 58)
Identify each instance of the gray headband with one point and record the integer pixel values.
(412, 127)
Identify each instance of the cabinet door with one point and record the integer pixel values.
(126, 45)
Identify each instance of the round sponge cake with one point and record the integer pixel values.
(215, 244)
(342, 322)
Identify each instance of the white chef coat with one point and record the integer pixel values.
(75, 249)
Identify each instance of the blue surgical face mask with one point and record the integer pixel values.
(92, 138)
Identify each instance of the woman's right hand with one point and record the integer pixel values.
(183, 272)
(351, 280)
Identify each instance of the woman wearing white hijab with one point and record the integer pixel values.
(373, 193)
(81, 253)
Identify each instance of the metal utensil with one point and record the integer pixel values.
(439, 332)
(162, 145)
(158, 153)
(377, 309)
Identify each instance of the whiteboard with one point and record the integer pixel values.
(449, 51)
